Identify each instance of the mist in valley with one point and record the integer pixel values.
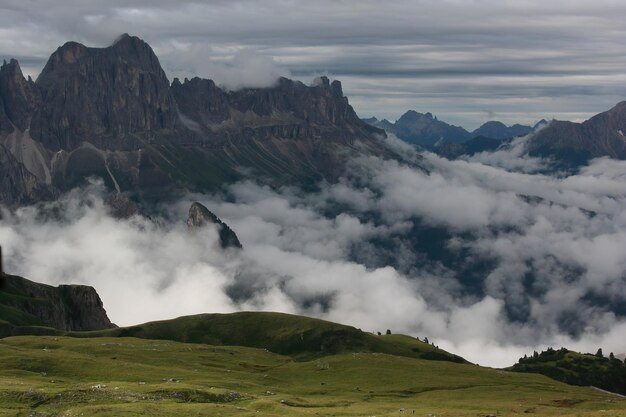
(488, 256)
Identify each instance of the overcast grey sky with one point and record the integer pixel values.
(465, 61)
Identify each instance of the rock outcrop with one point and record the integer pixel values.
(17, 184)
(200, 216)
(66, 307)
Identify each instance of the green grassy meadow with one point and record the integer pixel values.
(127, 376)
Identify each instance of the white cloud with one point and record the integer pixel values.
(297, 259)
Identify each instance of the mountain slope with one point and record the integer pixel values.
(575, 143)
(473, 146)
(111, 112)
(498, 130)
(423, 129)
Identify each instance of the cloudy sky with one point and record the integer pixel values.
(466, 61)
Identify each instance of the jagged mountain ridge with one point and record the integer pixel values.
(429, 132)
(112, 112)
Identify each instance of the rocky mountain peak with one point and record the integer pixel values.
(497, 130)
(18, 96)
(104, 95)
(111, 112)
(409, 117)
(336, 89)
(200, 216)
(11, 69)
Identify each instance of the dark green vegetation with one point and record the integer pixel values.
(61, 376)
(302, 338)
(577, 368)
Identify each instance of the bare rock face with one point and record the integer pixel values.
(200, 216)
(111, 113)
(121, 206)
(102, 95)
(18, 98)
(17, 184)
(66, 307)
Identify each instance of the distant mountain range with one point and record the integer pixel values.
(569, 144)
(427, 131)
(111, 112)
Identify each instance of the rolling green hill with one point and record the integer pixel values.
(300, 337)
(66, 376)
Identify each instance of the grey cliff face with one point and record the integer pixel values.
(66, 308)
(18, 98)
(111, 112)
(104, 95)
(200, 216)
(17, 184)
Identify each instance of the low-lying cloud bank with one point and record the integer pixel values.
(549, 253)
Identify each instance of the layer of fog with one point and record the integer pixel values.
(299, 259)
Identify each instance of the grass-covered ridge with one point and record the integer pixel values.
(297, 336)
(68, 376)
(577, 368)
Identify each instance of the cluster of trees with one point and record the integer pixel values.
(551, 355)
(608, 373)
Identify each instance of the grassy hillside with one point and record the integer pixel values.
(63, 376)
(300, 337)
(577, 369)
